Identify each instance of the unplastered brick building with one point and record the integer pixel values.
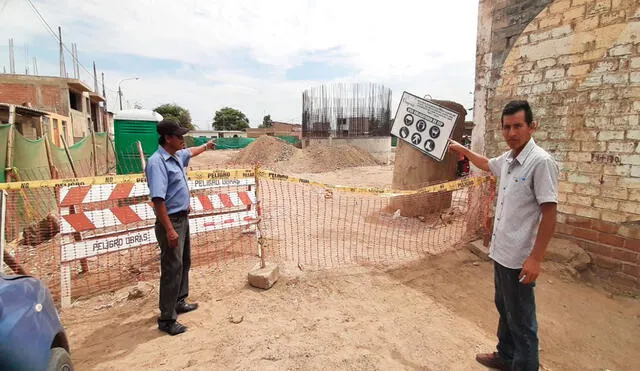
(578, 63)
(67, 97)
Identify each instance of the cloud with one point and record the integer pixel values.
(254, 55)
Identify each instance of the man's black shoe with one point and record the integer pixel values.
(183, 307)
(172, 328)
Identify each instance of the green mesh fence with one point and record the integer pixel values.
(289, 138)
(233, 143)
(30, 163)
(29, 154)
(81, 155)
(4, 138)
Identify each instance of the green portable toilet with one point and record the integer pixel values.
(131, 126)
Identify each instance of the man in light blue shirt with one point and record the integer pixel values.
(169, 191)
(524, 223)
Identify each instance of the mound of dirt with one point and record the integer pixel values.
(276, 154)
(319, 158)
(266, 151)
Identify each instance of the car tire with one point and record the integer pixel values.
(60, 360)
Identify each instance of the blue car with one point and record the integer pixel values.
(31, 334)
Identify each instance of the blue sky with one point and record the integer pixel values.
(252, 55)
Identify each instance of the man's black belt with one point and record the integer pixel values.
(179, 213)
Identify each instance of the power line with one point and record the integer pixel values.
(44, 22)
(55, 36)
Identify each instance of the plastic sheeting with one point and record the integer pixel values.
(30, 158)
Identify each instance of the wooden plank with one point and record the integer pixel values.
(94, 151)
(65, 284)
(10, 147)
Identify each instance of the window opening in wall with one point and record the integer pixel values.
(94, 117)
(55, 132)
(46, 125)
(75, 101)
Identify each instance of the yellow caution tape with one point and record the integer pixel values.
(443, 187)
(240, 174)
(129, 178)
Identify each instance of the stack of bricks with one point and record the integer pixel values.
(578, 63)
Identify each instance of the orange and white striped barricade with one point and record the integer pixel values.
(88, 228)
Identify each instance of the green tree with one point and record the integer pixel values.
(266, 122)
(229, 118)
(174, 112)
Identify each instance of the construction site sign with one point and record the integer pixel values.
(424, 124)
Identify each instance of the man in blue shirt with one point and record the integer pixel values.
(169, 191)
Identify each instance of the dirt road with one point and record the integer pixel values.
(432, 314)
(428, 314)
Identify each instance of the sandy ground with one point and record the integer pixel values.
(213, 159)
(430, 313)
(364, 176)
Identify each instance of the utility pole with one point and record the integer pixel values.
(26, 59)
(12, 59)
(120, 96)
(63, 69)
(74, 55)
(104, 94)
(95, 79)
(120, 88)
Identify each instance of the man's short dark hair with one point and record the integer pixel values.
(516, 106)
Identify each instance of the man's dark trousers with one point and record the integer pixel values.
(518, 327)
(174, 266)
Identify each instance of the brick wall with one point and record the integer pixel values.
(578, 63)
(55, 98)
(278, 126)
(17, 93)
(615, 247)
(51, 97)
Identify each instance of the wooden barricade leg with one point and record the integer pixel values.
(65, 284)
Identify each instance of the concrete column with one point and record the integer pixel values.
(413, 170)
(483, 75)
